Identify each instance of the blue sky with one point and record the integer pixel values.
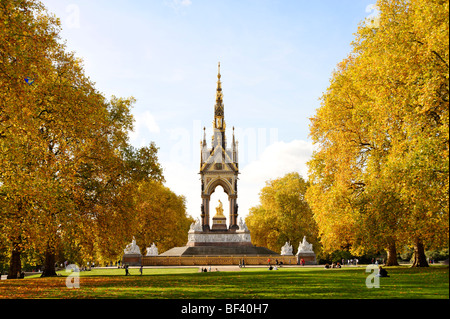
(276, 58)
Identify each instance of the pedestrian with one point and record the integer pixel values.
(140, 270)
(126, 270)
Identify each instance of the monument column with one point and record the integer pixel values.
(205, 212)
(233, 212)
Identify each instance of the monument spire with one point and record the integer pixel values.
(219, 120)
(219, 108)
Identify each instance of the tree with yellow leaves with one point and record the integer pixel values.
(160, 216)
(283, 214)
(67, 172)
(380, 175)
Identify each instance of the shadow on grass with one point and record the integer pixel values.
(286, 283)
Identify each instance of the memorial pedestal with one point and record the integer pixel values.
(219, 223)
(309, 258)
(132, 259)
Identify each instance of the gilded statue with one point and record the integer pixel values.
(219, 209)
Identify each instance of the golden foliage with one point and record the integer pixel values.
(380, 173)
(69, 180)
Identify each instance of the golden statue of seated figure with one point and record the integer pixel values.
(219, 210)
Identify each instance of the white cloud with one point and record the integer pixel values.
(184, 180)
(144, 124)
(275, 161)
(177, 4)
(185, 2)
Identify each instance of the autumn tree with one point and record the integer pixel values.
(66, 168)
(282, 215)
(380, 175)
(27, 37)
(160, 217)
(118, 198)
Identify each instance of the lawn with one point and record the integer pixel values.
(249, 283)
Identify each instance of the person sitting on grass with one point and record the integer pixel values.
(382, 272)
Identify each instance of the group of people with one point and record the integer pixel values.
(333, 265)
(381, 271)
(277, 263)
(352, 261)
(206, 269)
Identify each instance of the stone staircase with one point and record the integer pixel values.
(219, 251)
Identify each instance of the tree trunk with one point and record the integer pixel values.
(391, 251)
(15, 265)
(49, 264)
(419, 258)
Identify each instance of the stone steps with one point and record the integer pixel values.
(219, 251)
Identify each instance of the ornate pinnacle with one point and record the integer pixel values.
(218, 74)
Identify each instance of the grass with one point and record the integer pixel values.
(249, 283)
